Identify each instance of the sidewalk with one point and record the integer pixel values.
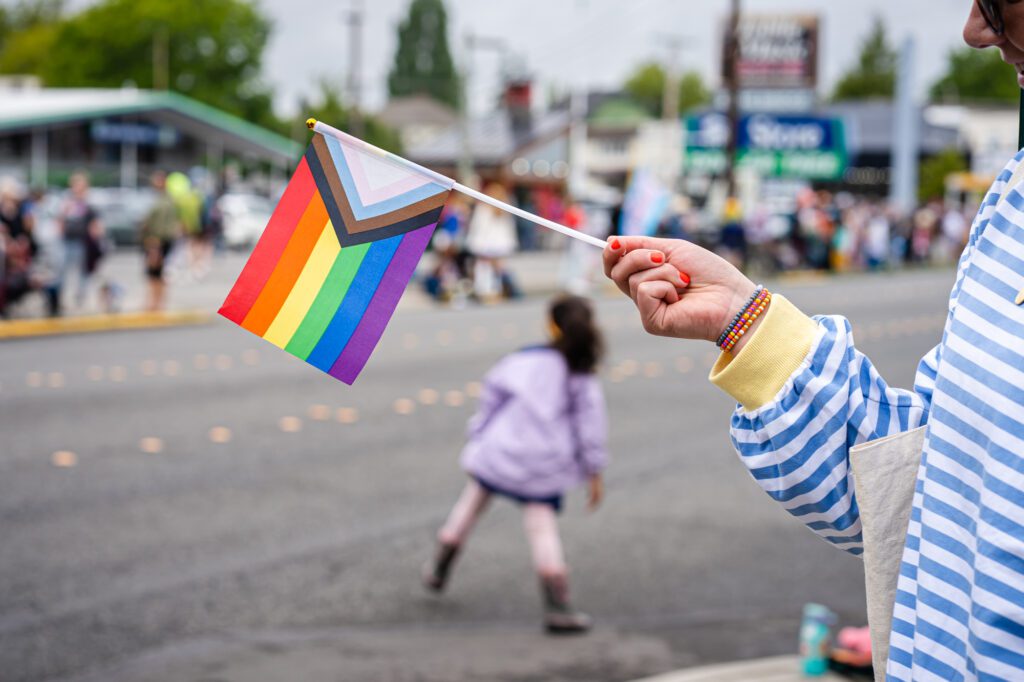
(192, 301)
(776, 669)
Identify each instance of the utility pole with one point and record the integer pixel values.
(465, 165)
(732, 58)
(354, 18)
(161, 59)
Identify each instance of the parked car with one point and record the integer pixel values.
(244, 216)
(122, 211)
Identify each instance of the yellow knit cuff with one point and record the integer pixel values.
(779, 345)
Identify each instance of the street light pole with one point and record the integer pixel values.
(670, 96)
(465, 164)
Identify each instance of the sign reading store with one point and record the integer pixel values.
(790, 146)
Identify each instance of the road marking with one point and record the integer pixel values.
(445, 337)
(251, 356)
(95, 373)
(201, 361)
(653, 370)
(347, 415)
(474, 389)
(224, 362)
(220, 434)
(172, 368)
(290, 424)
(320, 413)
(454, 398)
(151, 445)
(428, 396)
(55, 380)
(683, 364)
(64, 459)
(149, 367)
(404, 406)
(34, 379)
(118, 373)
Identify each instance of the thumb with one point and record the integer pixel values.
(651, 300)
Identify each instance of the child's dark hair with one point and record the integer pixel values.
(579, 339)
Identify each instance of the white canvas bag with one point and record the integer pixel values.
(884, 473)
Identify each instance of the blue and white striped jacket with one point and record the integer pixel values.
(960, 601)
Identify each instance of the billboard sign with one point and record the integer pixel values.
(777, 51)
(809, 147)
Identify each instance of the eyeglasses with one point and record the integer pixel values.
(993, 13)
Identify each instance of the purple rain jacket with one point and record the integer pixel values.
(539, 430)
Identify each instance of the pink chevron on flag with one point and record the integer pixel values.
(377, 179)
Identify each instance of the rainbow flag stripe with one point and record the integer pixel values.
(341, 246)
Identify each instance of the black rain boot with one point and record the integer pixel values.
(560, 618)
(436, 572)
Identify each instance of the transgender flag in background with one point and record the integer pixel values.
(340, 248)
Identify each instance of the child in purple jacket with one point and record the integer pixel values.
(540, 430)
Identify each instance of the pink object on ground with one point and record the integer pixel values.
(855, 639)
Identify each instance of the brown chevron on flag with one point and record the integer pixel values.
(371, 197)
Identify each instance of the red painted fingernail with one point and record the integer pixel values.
(657, 257)
(686, 278)
(616, 245)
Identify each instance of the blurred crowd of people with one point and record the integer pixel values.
(821, 230)
(839, 233)
(54, 244)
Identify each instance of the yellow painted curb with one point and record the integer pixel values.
(18, 329)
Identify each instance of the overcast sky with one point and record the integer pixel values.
(583, 43)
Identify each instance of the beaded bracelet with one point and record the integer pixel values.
(743, 308)
(745, 319)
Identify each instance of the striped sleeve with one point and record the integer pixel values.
(797, 444)
(807, 395)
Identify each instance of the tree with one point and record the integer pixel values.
(27, 31)
(26, 14)
(213, 49)
(976, 76)
(935, 170)
(423, 63)
(329, 108)
(875, 72)
(647, 86)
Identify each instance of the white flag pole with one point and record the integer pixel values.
(325, 129)
(543, 222)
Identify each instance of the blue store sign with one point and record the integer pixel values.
(143, 134)
(795, 146)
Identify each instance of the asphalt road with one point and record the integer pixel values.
(135, 546)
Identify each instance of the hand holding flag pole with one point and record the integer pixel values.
(325, 129)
